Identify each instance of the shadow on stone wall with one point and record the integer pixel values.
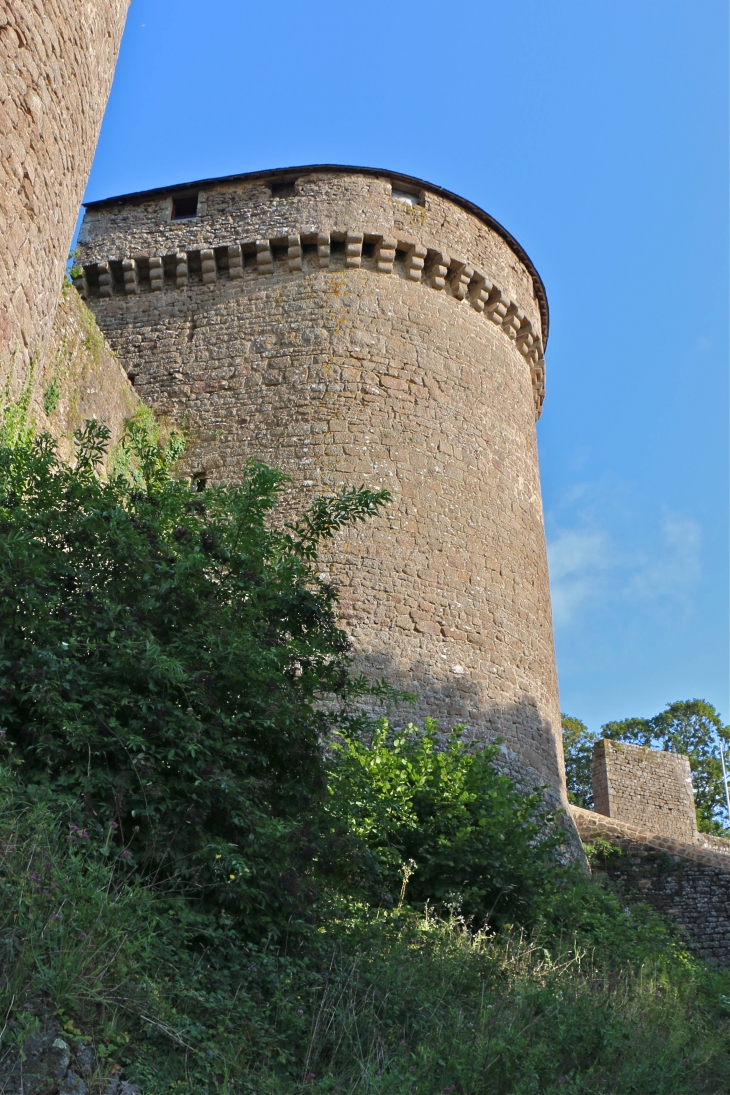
(531, 750)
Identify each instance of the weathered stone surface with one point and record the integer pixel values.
(57, 59)
(48, 1064)
(79, 378)
(321, 354)
(689, 882)
(645, 787)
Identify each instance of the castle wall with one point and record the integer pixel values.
(689, 883)
(645, 787)
(352, 338)
(79, 378)
(57, 59)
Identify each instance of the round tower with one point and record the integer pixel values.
(358, 326)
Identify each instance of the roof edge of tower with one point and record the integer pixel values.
(469, 206)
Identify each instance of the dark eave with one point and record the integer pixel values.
(396, 176)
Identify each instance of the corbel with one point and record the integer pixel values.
(353, 249)
(323, 249)
(294, 254)
(208, 267)
(157, 273)
(264, 258)
(414, 261)
(235, 261)
(497, 305)
(460, 280)
(438, 269)
(385, 255)
(182, 276)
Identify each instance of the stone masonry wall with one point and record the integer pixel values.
(79, 378)
(57, 59)
(645, 787)
(690, 883)
(351, 337)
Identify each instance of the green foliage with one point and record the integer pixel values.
(73, 270)
(16, 425)
(163, 656)
(438, 823)
(692, 727)
(51, 396)
(595, 1000)
(578, 753)
(189, 880)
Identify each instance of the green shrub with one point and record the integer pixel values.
(437, 824)
(597, 1002)
(163, 655)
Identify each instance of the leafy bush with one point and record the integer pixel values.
(163, 655)
(593, 1000)
(440, 825)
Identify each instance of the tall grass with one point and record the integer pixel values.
(595, 1002)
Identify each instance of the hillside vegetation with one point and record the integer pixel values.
(219, 871)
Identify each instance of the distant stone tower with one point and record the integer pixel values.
(57, 60)
(357, 326)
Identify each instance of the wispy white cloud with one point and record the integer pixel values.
(579, 561)
(675, 571)
(588, 569)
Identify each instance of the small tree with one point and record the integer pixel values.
(578, 744)
(164, 655)
(694, 728)
(436, 823)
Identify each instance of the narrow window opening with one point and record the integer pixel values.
(199, 483)
(406, 197)
(282, 189)
(131, 377)
(184, 209)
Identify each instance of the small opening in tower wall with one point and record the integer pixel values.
(282, 189)
(199, 483)
(184, 209)
(406, 197)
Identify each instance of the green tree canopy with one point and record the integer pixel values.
(578, 753)
(164, 655)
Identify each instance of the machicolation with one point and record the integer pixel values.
(356, 326)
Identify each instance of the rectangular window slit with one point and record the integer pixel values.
(184, 209)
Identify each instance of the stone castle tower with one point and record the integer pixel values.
(57, 60)
(358, 326)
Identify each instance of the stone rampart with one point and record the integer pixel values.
(355, 327)
(57, 60)
(689, 882)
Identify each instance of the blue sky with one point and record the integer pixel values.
(597, 134)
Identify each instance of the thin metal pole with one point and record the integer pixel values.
(724, 776)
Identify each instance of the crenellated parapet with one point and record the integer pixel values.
(309, 252)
